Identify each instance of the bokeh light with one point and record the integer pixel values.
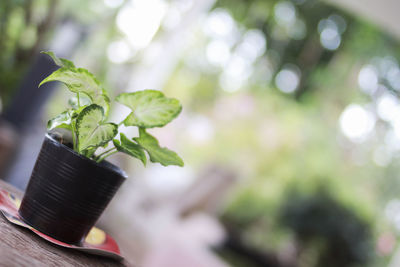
(119, 51)
(218, 53)
(368, 79)
(356, 122)
(285, 13)
(140, 20)
(288, 79)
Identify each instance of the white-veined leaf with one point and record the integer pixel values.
(91, 129)
(62, 120)
(150, 108)
(129, 147)
(80, 80)
(157, 154)
(84, 100)
(61, 62)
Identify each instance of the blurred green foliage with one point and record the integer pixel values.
(274, 140)
(27, 27)
(24, 25)
(321, 223)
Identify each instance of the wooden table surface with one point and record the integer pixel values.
(21, 247)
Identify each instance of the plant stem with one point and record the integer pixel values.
(119, 124)
(79, 102)
(106, 152)
(105, 156)
(90, 153)
(74, 139)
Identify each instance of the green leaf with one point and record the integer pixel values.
(91, 129)
(150, 108)
(103, 100)
(76, 112)
(62, 120)
(62, 62)
(79, 80)
(157, 154)
(130, 148)
(84, 100)
(89, 152)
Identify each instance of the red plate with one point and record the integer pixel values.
(96, 242)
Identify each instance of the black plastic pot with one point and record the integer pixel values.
(68, 192)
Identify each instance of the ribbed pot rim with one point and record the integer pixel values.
(106, 165)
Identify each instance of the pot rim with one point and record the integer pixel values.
(104, 164)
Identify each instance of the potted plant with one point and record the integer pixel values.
(72, 183)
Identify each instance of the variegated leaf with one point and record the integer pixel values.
(150, 108)
(157, 154)
(91, 129)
